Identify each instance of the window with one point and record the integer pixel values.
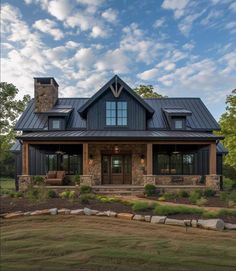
(176, 163)
(178, 124)
(55, 124)
(116, 113)
(51, 162)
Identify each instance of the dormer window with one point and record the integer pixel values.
(178, 123)
(116, 113)
(55, 124)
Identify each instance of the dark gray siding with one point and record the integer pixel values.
(136, 113)
(36, 161)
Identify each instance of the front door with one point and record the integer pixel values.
(117, 169)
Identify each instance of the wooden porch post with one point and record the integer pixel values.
(25, 159)
(85, 158)
(149, 159)
(212, 158)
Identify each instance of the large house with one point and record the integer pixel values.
(118, 138)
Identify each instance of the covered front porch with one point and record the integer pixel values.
(117, 163)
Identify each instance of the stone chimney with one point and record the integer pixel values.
(45, 93)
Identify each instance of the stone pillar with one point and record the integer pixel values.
(149, 179)
(24, 182)
(213, 182)
(86, 180)
(212, 159)
(149, 159)
(25, 159)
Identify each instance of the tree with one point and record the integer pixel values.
(147, 91)
(228, 129)
(10, 108)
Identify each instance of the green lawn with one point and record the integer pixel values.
(7, 184)
(96, 243)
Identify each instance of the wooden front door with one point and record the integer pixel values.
(116, 169)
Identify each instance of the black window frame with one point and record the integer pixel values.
(61, 123)
(182, 119)
(116, 116)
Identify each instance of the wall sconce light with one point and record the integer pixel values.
(116, 149)
(90, 159)
(142, 159)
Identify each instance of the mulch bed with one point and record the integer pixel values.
(20, 204)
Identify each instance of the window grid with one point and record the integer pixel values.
(116, 113)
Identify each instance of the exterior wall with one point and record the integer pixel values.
(96, 117)
(173, 179)
(138, 170)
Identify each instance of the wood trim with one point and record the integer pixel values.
(212, 159)
(85, 158)
(25, 159)
(122, 142)
(149, 159)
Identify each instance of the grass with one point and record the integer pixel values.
(7, 184)
(172, 210)
(143, 206)
(92, 243)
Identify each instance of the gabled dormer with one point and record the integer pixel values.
(116, 106)
(177, 118)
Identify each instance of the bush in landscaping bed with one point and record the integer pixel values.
(38, 180)
(36, 194)
(195, 195)
(105, 199)
(202, 201)
(85, 189)
(209, 193)
(150, 190)
(169, 195)
(76, 179)
(84, 198)
(71, 195)
(143, 206)
(171, 210)
(52, 194)
(183, 194)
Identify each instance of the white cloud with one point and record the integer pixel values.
(230, 25)
(159, 23)
(61, 9)
(49, 27)
(186, 24)
(232, 7)
(149, 74)
(97, 32)
(110, 15)
(178, 6)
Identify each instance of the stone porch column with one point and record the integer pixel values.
(149, 159)
(212, 158)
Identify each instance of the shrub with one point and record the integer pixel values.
(171, 210)
(161, 198)
(85, 189)
(210, 214)
(143, 206)
(224, 196)
(76, 179)
(38, 180)
(195, 195)
(231, 203)
(36, 194)
(169, 195)
(201, 202)
(183, 194)
(68, 195)
(150, 189)
(14, 194)
(209, 193)
(232, 195)
(227, 212)
(52, 194)
(84, 198)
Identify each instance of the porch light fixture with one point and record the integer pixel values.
(116, 149)
(142, 158)
(175, 151)
(59, 151)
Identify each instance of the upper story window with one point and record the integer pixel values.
(116, 113)
(178, 123)
(56, 124)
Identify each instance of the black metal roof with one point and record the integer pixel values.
(200, 119)
(98, 94)
(221, 149)
(177, 111)
(119, 135)
(59, 110)
(16, 147)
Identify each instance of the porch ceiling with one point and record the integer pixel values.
(119, 135)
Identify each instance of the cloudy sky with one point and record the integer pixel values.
(181, 47)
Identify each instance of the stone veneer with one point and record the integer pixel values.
(45, 96)
(172, 179)
(138, 169)
(24, 182)
(213, 182)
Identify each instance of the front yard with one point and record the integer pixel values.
(98, 243)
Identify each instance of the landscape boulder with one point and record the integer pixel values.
(147, 218)
(158, 219)
(14, 215)
(101, 214)
(139, 217)
(111, 214)
(41, 212)
(211, 224)
(63, 211)
(194, 223)
(175, 222)
(230, 226)
(53, 211)
(77, 212)
(88, 211)
(127, 216)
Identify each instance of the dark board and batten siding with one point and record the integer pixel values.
(96, 117)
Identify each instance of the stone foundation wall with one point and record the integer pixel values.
(213, 182)
(24, 181)
(138, 169)
(172, 179)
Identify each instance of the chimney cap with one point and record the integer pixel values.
(46, 80)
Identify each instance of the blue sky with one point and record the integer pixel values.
(181, 47)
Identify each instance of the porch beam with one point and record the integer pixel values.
(25, 159)
(212, 158)
(149, 159)
(85, 158)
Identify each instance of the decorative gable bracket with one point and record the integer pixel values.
(116, 92)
